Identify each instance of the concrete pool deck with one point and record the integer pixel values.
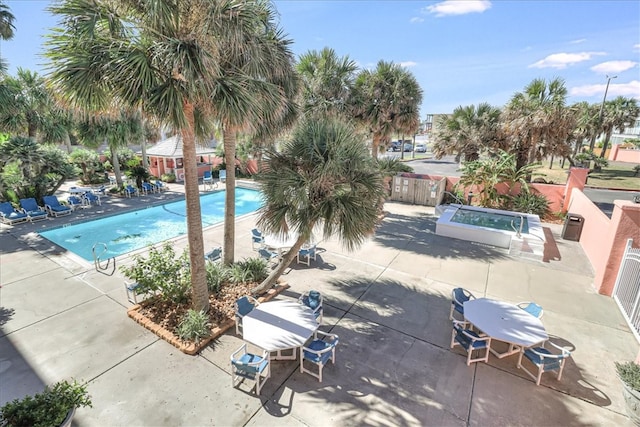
(388, 301)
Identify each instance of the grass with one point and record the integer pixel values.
(617, 175)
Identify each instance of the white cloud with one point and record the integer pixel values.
(631, 89)
(636, 46)
(458, 7)
(562, 60)
(611, 67)
(408, 64)
(578, 41)
(416, 19)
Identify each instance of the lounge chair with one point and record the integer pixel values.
(76, 202)
(10, 216)
(130, 190)
(32, 209)
(223, 175)
(256, 237)
(214, 255)
(161, 186)
(54, 207)
(92, 198)
(148, 188)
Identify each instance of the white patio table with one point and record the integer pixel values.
(80, 190)
(279, 325)
(279, 243)
(505, 322)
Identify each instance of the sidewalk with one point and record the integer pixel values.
(388, 301)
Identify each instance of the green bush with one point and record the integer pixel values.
(162, 273)
(256, 269)
(217, 275)
(531, 203)
(629, 373)
(194, 326)
(168, 177)
(45, 409)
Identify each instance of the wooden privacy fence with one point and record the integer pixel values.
(428, 192)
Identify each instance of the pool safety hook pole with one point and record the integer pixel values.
(96, 260)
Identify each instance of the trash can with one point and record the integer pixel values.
(572, 227)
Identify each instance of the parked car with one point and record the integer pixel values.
(395, 146)
(408, 146)
(421, 147)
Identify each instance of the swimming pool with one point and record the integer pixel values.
(135, 230)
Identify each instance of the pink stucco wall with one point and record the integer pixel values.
(624, 155)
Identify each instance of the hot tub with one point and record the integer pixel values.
(491, 226)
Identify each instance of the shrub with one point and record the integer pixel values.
(168, 177)
(531, 203)
(45, 409)
(217, 275)
(194, 326)
(629, 373)
(256, 269)
(162, 273)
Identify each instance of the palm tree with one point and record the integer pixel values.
(619, 114)
(535, 116)
(327, 81)
(385, 100)
(6, 29)
(324, 177)
(30, 102)
(586, 123)
(468, 131)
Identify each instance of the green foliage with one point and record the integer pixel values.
(88, 161)
(629, 373)
(531, 203)
(256, 269)
(217, 275)
(138, 172)
(588, 156)
(485, 175)
(162, 273)
(636, 170)
(45, 409)
(168, 177)
(390, 166)
(194, 326)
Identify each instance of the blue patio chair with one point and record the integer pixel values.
(256, 237)
(214, 254)
(245, 365)
(161, 186)
(34, 211)
(10, 216)
(148, 188)
(222, 175)
(76, 202)
(244, 305)
(458, 297)
(306, 254)
(207, 178)
(92, 199)
(470, 341)
(130, 190)
(313, 300)
(101, 190)
(532, 308)
(54, 207)
(268, 255)
(319, 351)
(544, 360)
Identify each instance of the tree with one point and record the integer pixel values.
(323, 178)
(327, 81)
(385, 100)
(619, 114)
(7, 29)
(534, 117)
(28, 103)
(468, 132)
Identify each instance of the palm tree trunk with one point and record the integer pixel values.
(282, 266)
(116, 167)
(375, 145)
(229, 141)
(67, 142)
(194, 215)
(605, 145)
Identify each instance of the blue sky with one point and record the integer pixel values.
(461, 52)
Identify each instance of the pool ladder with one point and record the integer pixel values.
(519, 229)
(96, 259)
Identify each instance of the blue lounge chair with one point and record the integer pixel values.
(129, 191)
(161, 186)
(54, 207)
(10, 216)
(148, 188)
(223, 175)
(92, 199)
(76, 202)
(214, 255)
(32, 209)
(256, 237)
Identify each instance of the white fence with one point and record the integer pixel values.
(627, 288)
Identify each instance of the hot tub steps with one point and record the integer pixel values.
(526, 247)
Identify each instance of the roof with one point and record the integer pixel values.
(172, 147)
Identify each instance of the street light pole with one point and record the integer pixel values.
(593, 138)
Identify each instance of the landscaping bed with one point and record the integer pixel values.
(162, 317)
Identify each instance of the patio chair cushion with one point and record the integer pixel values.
(549, 364)
(244, 306)
(318, 345)
(249, 364)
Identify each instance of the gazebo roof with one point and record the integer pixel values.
(172, 147)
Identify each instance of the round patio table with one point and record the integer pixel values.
(505, 322)
(279, 325)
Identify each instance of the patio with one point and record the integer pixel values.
(389, 303)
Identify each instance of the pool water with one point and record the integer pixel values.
(135, 230)
(490, 220)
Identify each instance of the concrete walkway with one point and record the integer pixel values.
(388, 301)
